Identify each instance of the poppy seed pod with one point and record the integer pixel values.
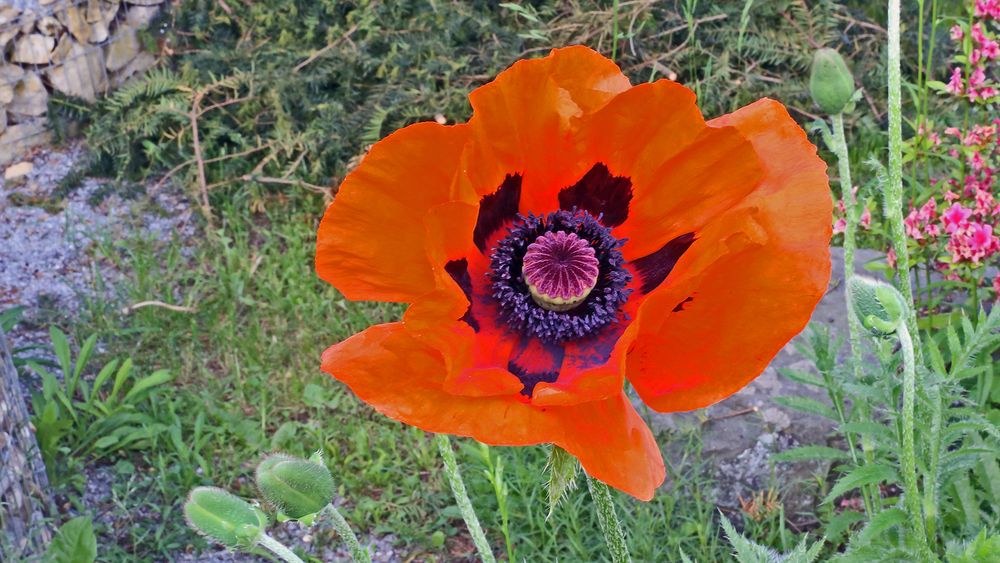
(224, 517)
(297, 487)
(831, 82)
(879, 306)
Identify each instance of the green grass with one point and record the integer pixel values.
(247, 382)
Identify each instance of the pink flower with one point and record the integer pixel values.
(986, 93)
(981, 237)
(990, 49)
(954, 130)
(912, 225)
(840, 226)
(977, 78)
(976, 161)
(956, 33)
(928, 211)
(955, 85)
(890, 258)
(987, 8)
(956, 217)
(866, 218)
(996, 287)
(975, 56)
(950, 196)
(977, 33)
(933, 230)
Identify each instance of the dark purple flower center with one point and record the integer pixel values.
(560, 269)
(560, 277)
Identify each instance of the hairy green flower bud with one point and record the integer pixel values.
(297, 487)
(224, 517)
(879, 306)
(831, 82)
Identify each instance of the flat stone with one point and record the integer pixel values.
(49, 25)
(139, 65)
(8, 14)
(18, 139)
(82, 72)
(34, 49)
(19, 170)
(30, 97)
(10, 75)
(5, 37)
(140, 16)
(123, 49)
(75, 20)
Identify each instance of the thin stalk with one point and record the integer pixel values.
(851, 212)
(613, 534)
(614, 30)
(909, 458)
(279, 549)
(931, 489)
(462, 498)
(358, 553)
(894, 189)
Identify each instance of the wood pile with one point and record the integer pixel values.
(80, 48)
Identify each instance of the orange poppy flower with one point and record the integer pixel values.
(577, 231)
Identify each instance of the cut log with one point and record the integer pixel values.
(123, 48)
(33, 49)
(81, 74)
(30, 97)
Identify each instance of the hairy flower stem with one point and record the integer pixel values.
(279, 549)
(893, 194)
(850, 244)
(909, 458)
(358, 553)
(462, 498)
(612, 529)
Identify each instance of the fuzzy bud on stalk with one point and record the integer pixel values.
(224, 517)
(299, 488)
(879, 307)
(831, 82)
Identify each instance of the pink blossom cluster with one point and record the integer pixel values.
(977, 80)
(955, 229)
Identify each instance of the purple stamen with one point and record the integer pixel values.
(560, 269)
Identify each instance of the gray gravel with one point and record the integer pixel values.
(48, 238)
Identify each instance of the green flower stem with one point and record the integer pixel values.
(612, 529)
(909, 459)
(850, 244)
(358, 553)
(462, 498)
(279, 549)
(894, 188)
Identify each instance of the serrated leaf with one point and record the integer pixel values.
(842, 522)
(562, 469)
(880, 523)
(800, 376)
(74, 543)
(859, 477)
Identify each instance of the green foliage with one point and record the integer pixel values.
(982, 549)
(73, 543)
(562, 468)
(747, 551)
(74, 416)
(290, 94)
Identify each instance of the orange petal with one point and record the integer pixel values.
(403, 378)
(683, 172)
(372, 240)
(753, 276)
(523, 122)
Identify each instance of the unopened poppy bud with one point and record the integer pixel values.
(297, 487)
(831, 82)
(879, 306)
(224, 517)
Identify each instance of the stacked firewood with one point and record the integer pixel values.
(81, 48)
